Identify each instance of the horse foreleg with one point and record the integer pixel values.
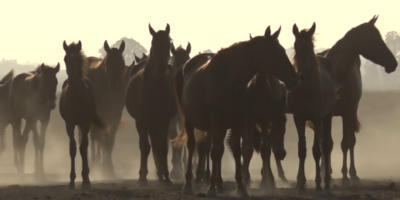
(327, 144)
(110, 140)
(248, 151)
(201, 154)
(83, 149)
(352, 171)
(302, 150)
(144, 150)
(317, 152)
(191, 146)
(72, 153)
(345, 147)
(16, 126)
(268, 179)
(42, 142)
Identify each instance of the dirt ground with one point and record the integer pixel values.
(377, 163)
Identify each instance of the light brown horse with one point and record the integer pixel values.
(179, 58)
(213, 98)
(109, 79)
(32, 97)
(313, 99)
(5, 111)
(364, 40)
(150, 100)
(78, 108)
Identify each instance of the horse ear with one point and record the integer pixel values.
(136, 58)
(312, 30)
(42, 67)
(106, 47)
(276, 34)
(65, 46)
(57, 68)
(188, 48)
(167, 29)
(173, 50)
(80, 45)
(251, 37)
(152, 32)
(373, 20)
(267, 32)
(295, 30)
(122, 47)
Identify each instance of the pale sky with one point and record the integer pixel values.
(34, 30)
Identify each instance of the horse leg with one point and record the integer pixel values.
(200, 171)
(164, 151)
(3, 126)
(208, 143)
(352, 171)
(191, 145)
(109, 146)
(237, 154)
(300, 123)
(217, 152)
(72, 153)
(248, 151)
(177, 170)
(268, 180)
(24, 140)
(16, 127)
(345, 147)
(36, 144)
(83, 148)
(155, 139)
(327, 145)
(42, 140)
(277, 131)
(95, 149)
(144, 150)
(317, 153)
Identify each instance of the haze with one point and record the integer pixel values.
(33, 31)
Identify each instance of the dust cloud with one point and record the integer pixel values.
(376, 150)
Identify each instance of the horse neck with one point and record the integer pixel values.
(151, 67)
(342, 56)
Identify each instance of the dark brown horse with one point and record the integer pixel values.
(150, 100)
(5, 111)
(78, 108)
(313, 99)
(179, 58)
(32, 97)
(213, 97)
(137, 59)
(266, 110)
(364, 40)
(109, 80)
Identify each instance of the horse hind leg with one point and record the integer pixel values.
(191, 146)
(237, 154)
(177, 168)
(16, 126)
(23, 141)
(110, 141)
(345, 148)
(300, 123)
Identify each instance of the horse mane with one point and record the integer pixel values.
(238, 49)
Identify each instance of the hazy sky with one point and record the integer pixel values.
(34, 30)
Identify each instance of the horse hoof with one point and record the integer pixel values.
(241, 193)
(283, 178)
(345, 183)
(168, 183)
(212, 192)
(86, 186)
(142, 182)
(220, 190)
(71, 186)
(356, 181)
(187, 190)
(176, 174)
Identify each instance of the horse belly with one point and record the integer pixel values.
(194, 103)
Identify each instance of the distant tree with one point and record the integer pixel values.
(392, 40)
(207, 51)
(131, 47)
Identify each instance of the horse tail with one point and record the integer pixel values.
(257, 140)
(97, 121)
(180, 140)
(8, 77)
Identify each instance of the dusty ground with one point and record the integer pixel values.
(377, 162)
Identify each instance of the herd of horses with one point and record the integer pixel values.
(243, 91)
